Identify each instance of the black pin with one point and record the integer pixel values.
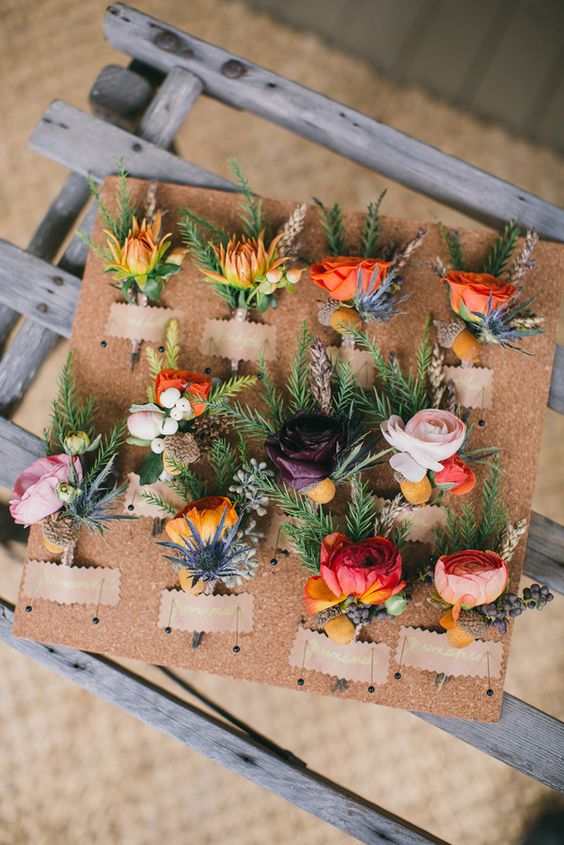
(489, 690)
(397, 675)
(96, 618)
(103, 343)
(371, 688)
(237, 647)
(168, 628)
(300, 682)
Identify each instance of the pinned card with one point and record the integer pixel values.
(186, 612)
(422, 521)
(355, 661)
(360, 362)
(430, 651)
(138, 499)
(71, 584)
(473, 385)
(239, 340)
(136, 322)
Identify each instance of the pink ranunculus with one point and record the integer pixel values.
(35, 490)
(144, 424)
(431, 436)
(470, 578)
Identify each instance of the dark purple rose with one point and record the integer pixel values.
(304, 449)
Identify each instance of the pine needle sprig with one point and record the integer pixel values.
(424, 352)
(186, 484)
(219, 234)
(372, 347)
(333, 226)
(158, 501)
(298, 385)
(361, 511)
(453, 244)
(125, 205)
(107, 450)
(69, 411)
(321, 373)
(494, 516)
(251, 206)
(270, 394)
(222, 393)
(346, 393)
(370, 238)
(198, 246)
(501, 250)
(249, 422)
(224, 463)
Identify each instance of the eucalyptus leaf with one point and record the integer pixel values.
(151, 468)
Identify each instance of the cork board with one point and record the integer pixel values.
(131, 627)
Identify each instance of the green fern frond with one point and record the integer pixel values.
(494, 515)
(248, 422)
(218, 233)
(501, 250)
(107, 450)
(186, 484)
(334, 227)
(198, 246)
(126, 208)
(224, 462)
(158, 501)
(346, 393)
(69, 412)
(251, 205)
(424, 352)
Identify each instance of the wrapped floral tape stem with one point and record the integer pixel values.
(136, 344)
(241, 315)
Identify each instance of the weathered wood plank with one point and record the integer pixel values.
(219, 742)
(169, 109)
(87, 144)
(331, 124)
(18, 448)
(545, 552)
(120, 96)
(556, 395)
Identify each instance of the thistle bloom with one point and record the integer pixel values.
(141, 252)
(245, 261)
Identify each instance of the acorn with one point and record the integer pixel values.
(473, 623)
(457, 636)
(339, 629)
(344, 319)
(186, 577)
(59, 534)
(454, 335)
(323, 492)
(326, 310)
(415, 492)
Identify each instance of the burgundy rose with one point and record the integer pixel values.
(304, 450)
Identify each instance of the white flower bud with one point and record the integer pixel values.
(274, 276)
(176, 413)
(294, 275)
(168, 426)
(169, 397)
(157, 445)
(184, 406)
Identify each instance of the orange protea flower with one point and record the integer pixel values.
(245, 261)
(141, 253)
(205, 515)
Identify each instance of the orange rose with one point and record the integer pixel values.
(193, 384)
(205, 515)
(455, 477)
(339, 276)
(470, 292)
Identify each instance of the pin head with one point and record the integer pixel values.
(207, 371)
(161, 349)
(397, 676)
(28, 608)
(489, 692)
(300, 682)
(168, 630)
(273, 561)
(236, 649)
(103, 343)
(481, 423)
(131, 507)
(95, 620)
(371, 689)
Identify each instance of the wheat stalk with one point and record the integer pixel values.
(320, 376)
(436, 375)
(288, 244)
(510, 538)
(389, 514)
(151, 201)
(449, 397)
(524, 261)
(404, 254)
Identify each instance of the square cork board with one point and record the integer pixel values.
(130, 628)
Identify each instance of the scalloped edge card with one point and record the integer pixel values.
(215, 614)
(474, 385)
(239, 340)
(430, 651)
(356, 661)
(137, 322)
(71, 584)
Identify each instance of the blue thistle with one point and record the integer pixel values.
(378, 302)
(506, 324)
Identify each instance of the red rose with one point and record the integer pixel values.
(369, 570)
(195, 385)
(455, 476)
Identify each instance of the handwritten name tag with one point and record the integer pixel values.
(354, 661)
(429, 650)
(422, 521)
(474, 386)
(360, 362)
(183, 611)
(239, 340)
(134, 322)
(136, 503)
(71, 584)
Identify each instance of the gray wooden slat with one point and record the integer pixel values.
(87, 144)
(18, 449)
(545, 552)
(120, 96)
(556, 394)
(330, 124)
(167, 112)
(219, 742)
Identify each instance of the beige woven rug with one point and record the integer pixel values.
(72, 768)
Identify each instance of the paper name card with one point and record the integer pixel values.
(355, 661)
(360, 361)
(71, 584)
(473, 385)
(239, 340)
(429, 650)
(186, 612)
(422, 521)
(136, 503)
(135, 322)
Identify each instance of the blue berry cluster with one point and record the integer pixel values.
(510, 605)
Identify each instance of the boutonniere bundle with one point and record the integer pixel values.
(471, 574)
(419, 418)
(136, 253)
(214, 537)
(73, 486)
(184, 412)
(312, 431)
(363, 285)
(250, 268)
(490, 305)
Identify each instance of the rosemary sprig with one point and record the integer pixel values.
(370, 238)
(501, 250)
(333, 226)
(454, 246)
(361, 511)
(251, 206)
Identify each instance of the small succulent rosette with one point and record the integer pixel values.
(136, 253)
(74, 485)
(214, 538)
(313, 431)
(184, 414)
(490, 306)
(249, 269)
(364, 285)
(471, 574)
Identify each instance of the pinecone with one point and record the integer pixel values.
(326, 311)
(473, 622)
(61, 532)
(182, 447)
(447, 332)
(206, 430)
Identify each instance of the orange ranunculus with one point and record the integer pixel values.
(205, 515)
(195, 385)
(369, 570)
(470, 292)
(470, 578)
(339, 276)
(455, 477)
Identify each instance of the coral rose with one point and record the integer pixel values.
(470, 293)
(304, 449)
(455, 476)
(470, 578)
(196, 385)
(340, 276)
(369, 570)
(430, 437)
(205, 515)
(35, 490)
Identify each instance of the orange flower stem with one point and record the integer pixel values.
(136, 344)
(241, 314)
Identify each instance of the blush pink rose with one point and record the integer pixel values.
(470, 578)
(35, 490)
(431, 436)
